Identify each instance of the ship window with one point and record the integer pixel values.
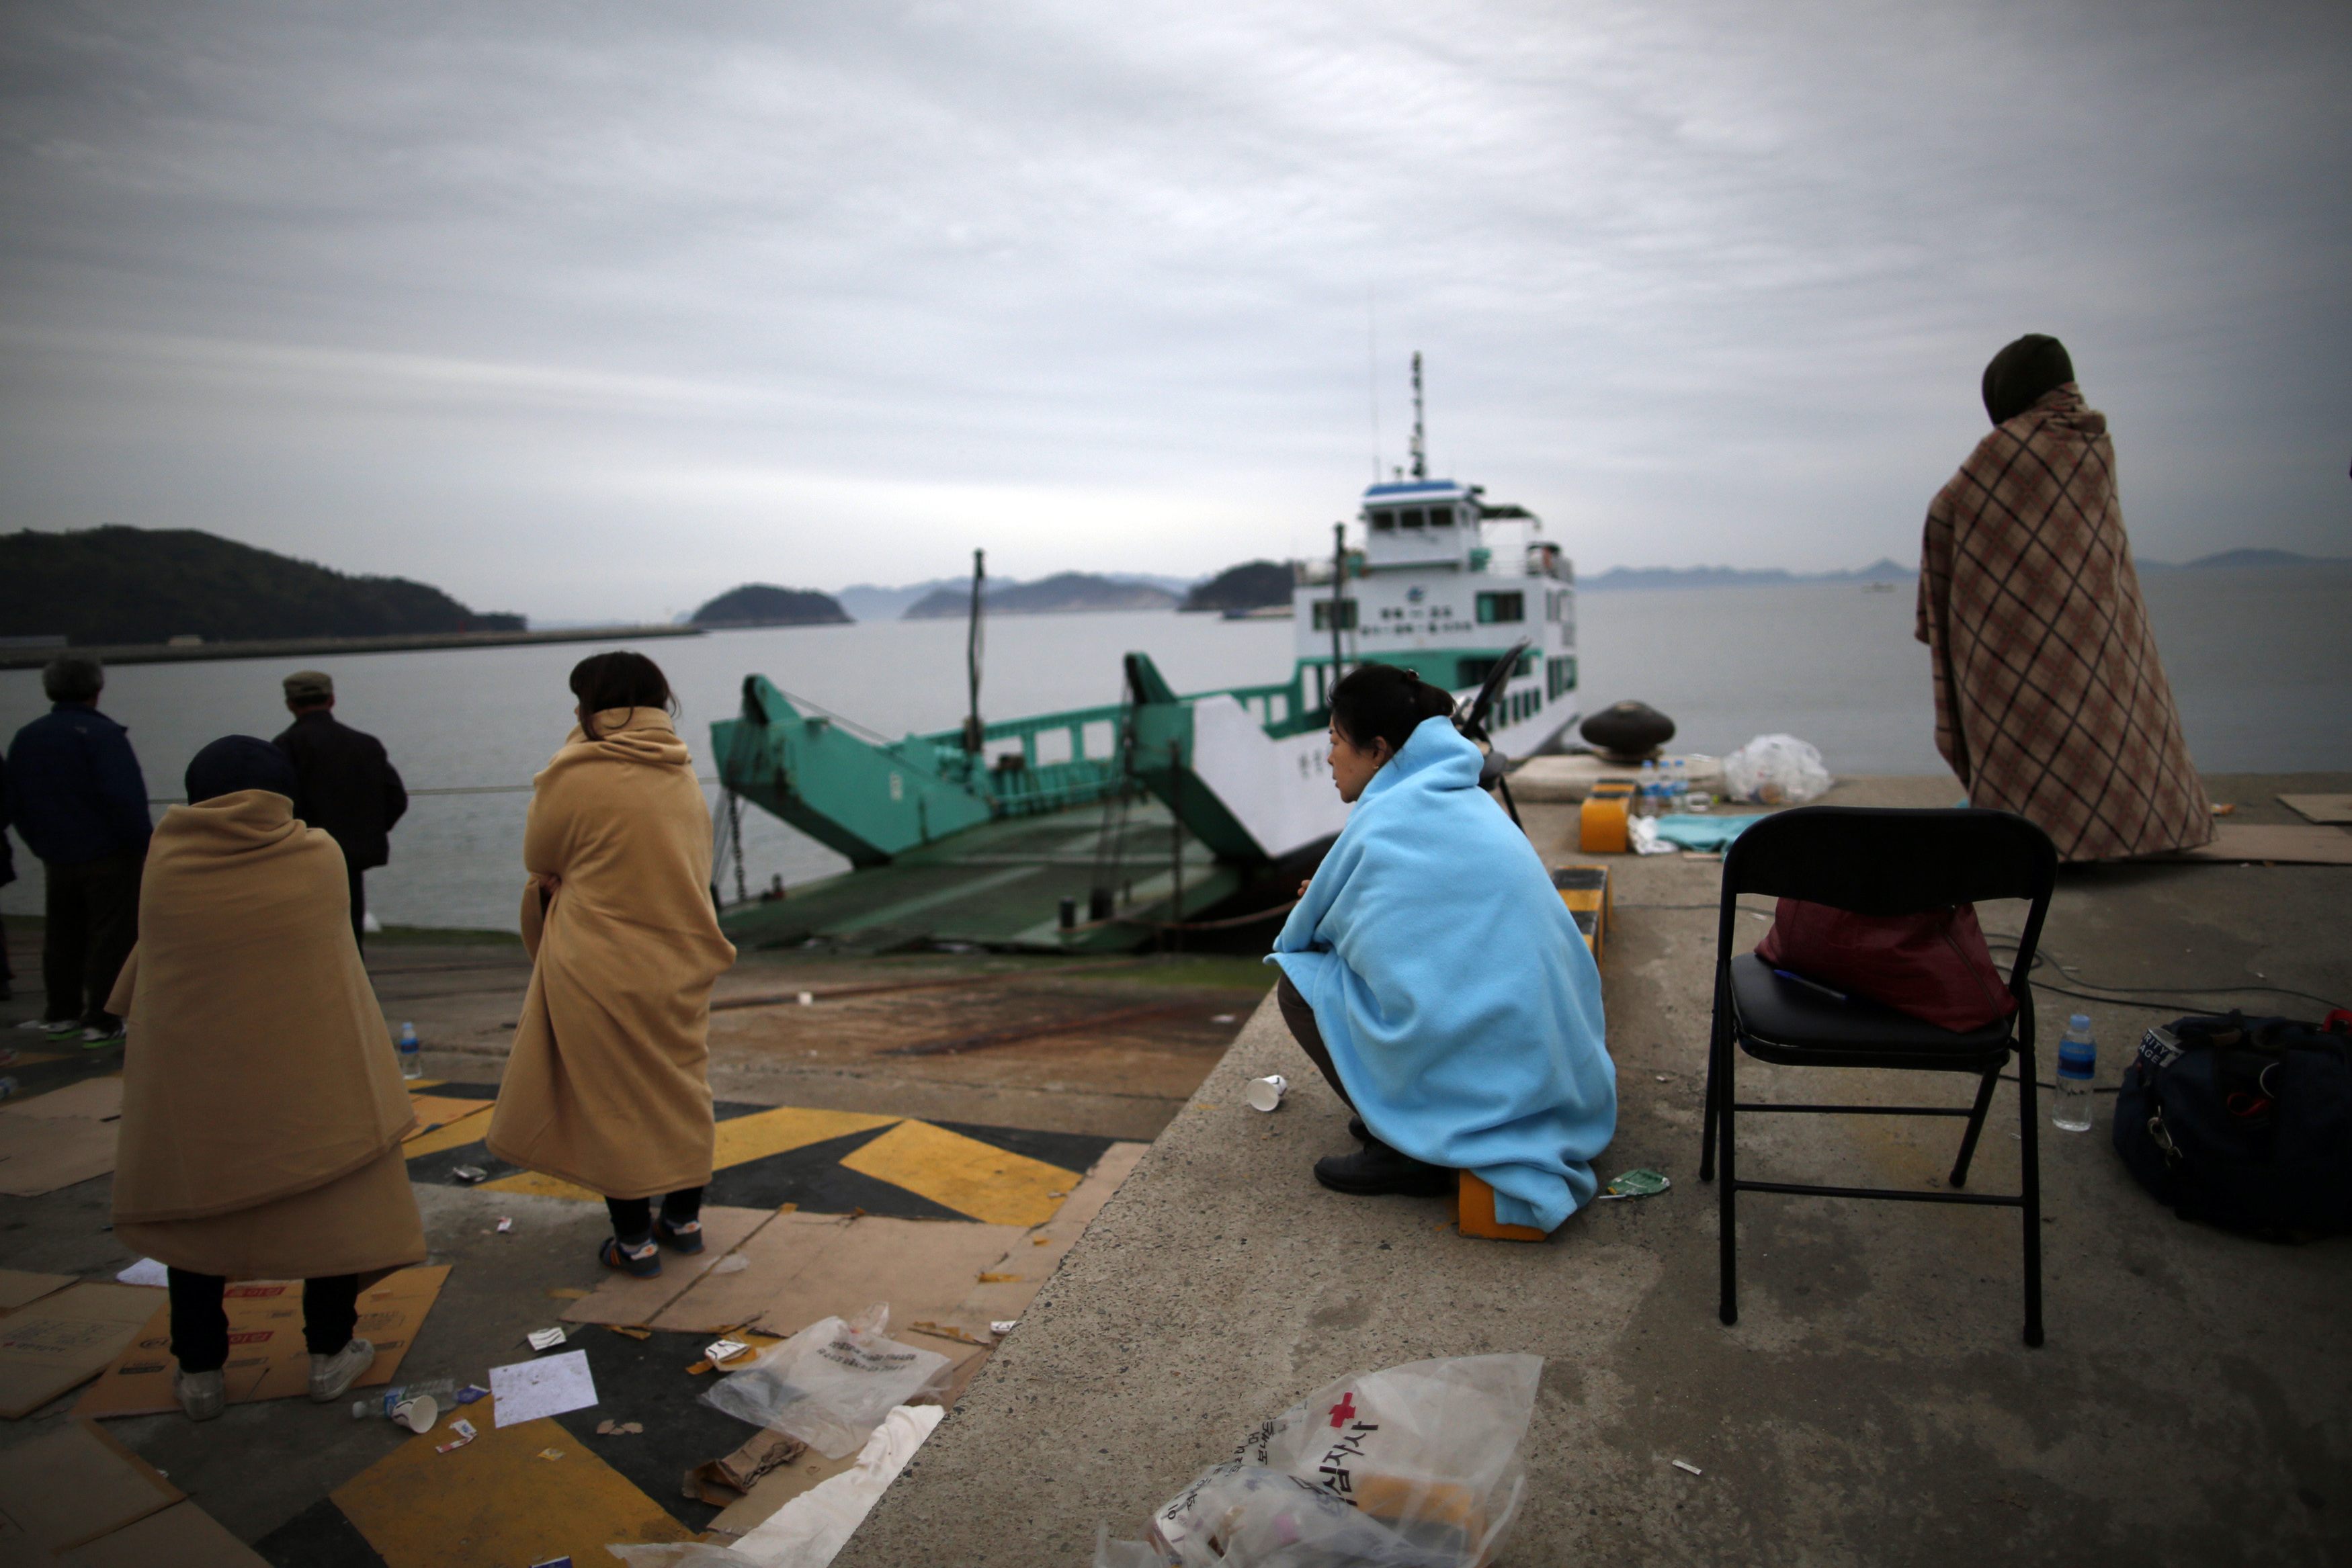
(1410, 518)
(1441, 516)
(1383, 522)
(1497, 607)
(1323, 615)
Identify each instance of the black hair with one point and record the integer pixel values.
(73, 679)
(237, 762)
(1384, 702)
(2021, 373)
(619, 679)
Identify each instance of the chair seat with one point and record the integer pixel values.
(1778, 1021)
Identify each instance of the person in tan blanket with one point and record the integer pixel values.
(607, 1085)
(262, 1107)
(2050, 700)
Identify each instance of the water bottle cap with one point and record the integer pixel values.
(2080, 1021)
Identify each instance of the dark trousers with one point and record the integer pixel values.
(93, 919)
(330, 1310)
(632, 1217)
(1301, 1019)
(359, 905)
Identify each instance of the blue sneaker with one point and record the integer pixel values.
(645, 1262)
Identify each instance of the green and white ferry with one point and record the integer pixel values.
(1103, 827)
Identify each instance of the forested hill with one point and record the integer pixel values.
(765, 604)
(1065, 593)
(119, 585)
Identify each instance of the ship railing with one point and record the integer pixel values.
(1066, 759)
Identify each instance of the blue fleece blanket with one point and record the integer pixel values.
(1460, 1005)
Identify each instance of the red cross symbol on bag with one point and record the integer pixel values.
(1344, 1411)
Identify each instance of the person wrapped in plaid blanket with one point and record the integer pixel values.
(2050, 699)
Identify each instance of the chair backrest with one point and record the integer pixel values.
(1880, 861)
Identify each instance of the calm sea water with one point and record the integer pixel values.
(2260, 662)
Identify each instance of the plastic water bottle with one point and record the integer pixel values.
(1645, 793)
(412, 1065)
(2078, 1056)
(1678, 787)
(381, 1403)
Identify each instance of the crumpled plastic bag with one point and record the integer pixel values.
(831, 1383)
(1776, 770)
(810, 1531)
(1413, 1467)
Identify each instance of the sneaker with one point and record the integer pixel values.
(643, 1262)
(332, 1375)
(98, 1037)
(686, 1237)
(200, 1394)
(49, 1026)
(1376, 1169)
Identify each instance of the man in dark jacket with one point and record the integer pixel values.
(348, 786)
(75, 795)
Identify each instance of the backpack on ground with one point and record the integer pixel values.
(2244, 1122)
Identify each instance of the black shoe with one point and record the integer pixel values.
(1376, 1168)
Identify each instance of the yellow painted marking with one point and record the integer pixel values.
(494, 1503)
(419, 1085)
(972, 1177)
(542, 1187)
(765, 1132)
(460, 1122)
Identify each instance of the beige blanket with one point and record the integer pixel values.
(607, 1085)
(260, 1093)
(2050, 699)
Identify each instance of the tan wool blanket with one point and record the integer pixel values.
(262, 1106)
(608, 1084)
(2050, 699)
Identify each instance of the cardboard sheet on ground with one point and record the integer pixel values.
(18, 1288)
(2320, 808)
(624, 1300)
(67, 1337)
(803, 1267)
(183, 1535)
(57, 1139)
(267, 1358)
(1007, 1286)
(71, 1486)
(549, 1385)
(2287, 843)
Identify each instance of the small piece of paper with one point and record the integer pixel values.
(720, 1351)
(462, 1432)
(505, 1225)
(619, 1429)
(544, 1339)
(471, 1392)
(734, 1263)
(550, 1386)
(1637, 1183)
(467, 1175)
(146, 1271)
(1686, 1465)
(550, 1453)
(1003, 1326)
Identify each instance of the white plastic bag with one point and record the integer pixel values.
(1776, 770)
(831, 1383)
(1415, 1467)
(810, 1531)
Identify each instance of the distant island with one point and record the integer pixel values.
(118, 585)
(1887, 570)
(1064, 593)
(1253, 585)
(764, 604)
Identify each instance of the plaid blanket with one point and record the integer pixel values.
(2050, 699)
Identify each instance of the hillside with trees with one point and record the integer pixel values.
(1253, 585)
(117, 585)
(764, 604)
(1064, 593)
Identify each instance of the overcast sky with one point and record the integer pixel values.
(595, 310)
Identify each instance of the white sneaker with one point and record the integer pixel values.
(47, 1026)
(200, 1394)
(93, 1038)
(332, 1375)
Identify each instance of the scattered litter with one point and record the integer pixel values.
(720, 1351)
(417, 1415)
(146, 1271)
(1637, 1183)
(814, 1526)
(1003, 1326)
(530, 1389)
(831, 1383)
(734, 1263)
(567, 1293)
(1686, 1465)
(544, 1339)
(808, 998)
(631, 1330)
(619, 1429)
(946, 1331)
(1225, 1017)
(1041, 1241)
(1662, 1078)
(467, 1175)
(721, 1481)
(1775, 770)
(505, 1225)
(461, 1432)
(1000, 1279)
(564, 1561)
(549, 1454)
(1415, 1464)
(1266, 1094)
(1062, 1192)
(471, 1392)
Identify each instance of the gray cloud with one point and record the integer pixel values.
(596, 309)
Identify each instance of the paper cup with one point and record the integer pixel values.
(1266, 1094)
(418, 1414)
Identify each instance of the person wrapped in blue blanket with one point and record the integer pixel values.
(1433, 974)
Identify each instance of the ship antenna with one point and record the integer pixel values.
(972, 739)
(1420, 453)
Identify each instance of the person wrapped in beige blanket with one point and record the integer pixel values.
(2050, 699)
(262, 1107)
(607, 1086)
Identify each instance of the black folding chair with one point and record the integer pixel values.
(1874, 861)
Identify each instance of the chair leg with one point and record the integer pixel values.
(1727, 1192)
(1976, 1127)
(1706, 1137)
(2030, 1154)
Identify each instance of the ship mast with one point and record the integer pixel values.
(1419, 451)
(971, 736)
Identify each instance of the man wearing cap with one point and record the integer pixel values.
(346, 784)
